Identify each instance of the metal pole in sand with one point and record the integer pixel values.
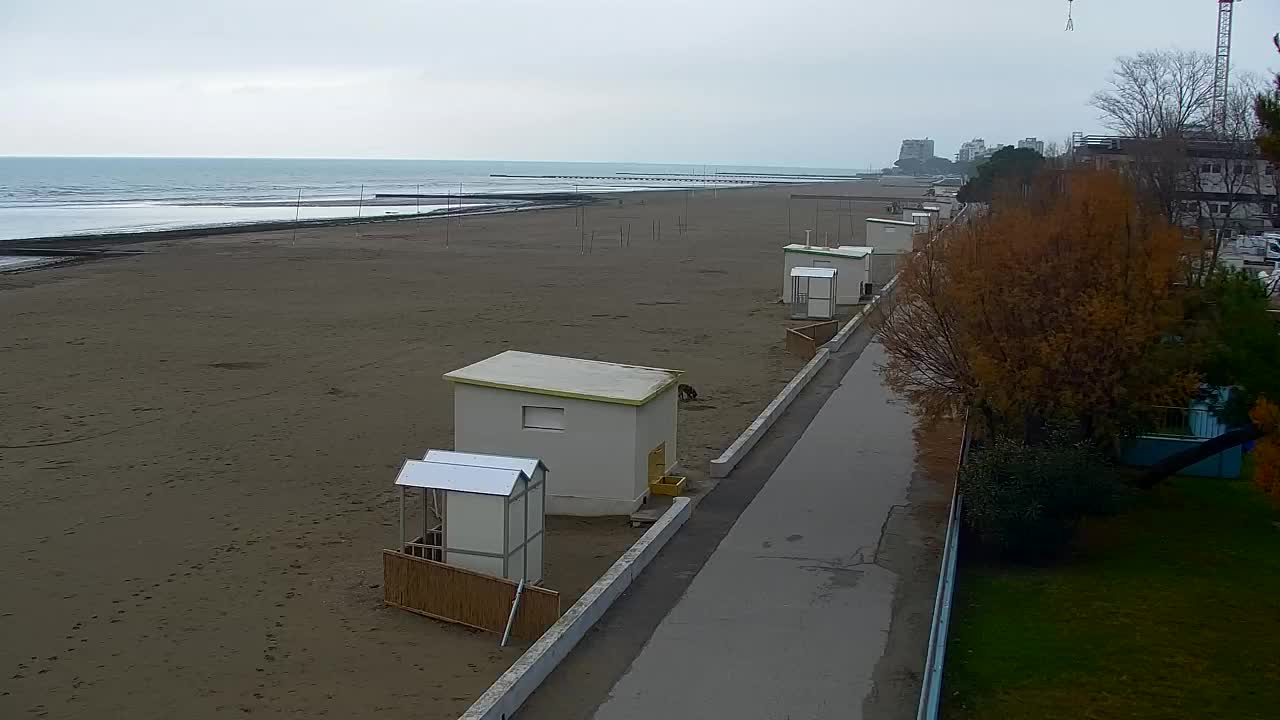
(417, 207)
(360, 210)
(686, 211)
(297, 213)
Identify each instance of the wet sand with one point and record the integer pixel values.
(197, 445)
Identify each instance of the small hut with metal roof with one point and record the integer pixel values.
(479, 512)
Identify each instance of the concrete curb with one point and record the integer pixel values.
(837, 342)
(509, 692)
(729, 459)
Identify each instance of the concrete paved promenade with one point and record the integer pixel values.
(790, 616)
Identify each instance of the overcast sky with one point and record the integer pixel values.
(781, 82)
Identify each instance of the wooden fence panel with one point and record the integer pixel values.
(806, 339)
(470, 598)
(823, 331)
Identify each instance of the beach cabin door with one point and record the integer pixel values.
(821, 297)
(657, 463)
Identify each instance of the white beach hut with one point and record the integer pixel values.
(605, 428)
(851, 262)
(813, 293)
(890, 236)
(480, 512)
(923, 221)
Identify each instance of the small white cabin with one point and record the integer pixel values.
(923, 221)
(890, 236)
(813, 292)
(852, 263)
(480, 512)
(602, 426)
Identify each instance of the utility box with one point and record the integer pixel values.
(600, 425)
(813, 293)
(480, 512)
(851, 262)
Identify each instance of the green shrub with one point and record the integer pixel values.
(1025, 502)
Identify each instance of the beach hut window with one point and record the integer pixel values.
(543, 418)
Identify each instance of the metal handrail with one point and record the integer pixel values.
(931, 684)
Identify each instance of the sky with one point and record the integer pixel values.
(811, 83)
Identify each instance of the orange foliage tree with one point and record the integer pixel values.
(1266, 453)
(1053, 307)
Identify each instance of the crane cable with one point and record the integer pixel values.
(1071, 25)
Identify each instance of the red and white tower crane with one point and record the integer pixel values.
(1222, 66)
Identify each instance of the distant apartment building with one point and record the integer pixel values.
(971, 150)
(916, 150)
(991, 150)
(1224, 185)
(1031, 144)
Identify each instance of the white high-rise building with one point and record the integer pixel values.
(971, 150)
(916, 150)
(1031, 144)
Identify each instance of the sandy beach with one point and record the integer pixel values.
(197, 444)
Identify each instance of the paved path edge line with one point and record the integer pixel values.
(509, 691)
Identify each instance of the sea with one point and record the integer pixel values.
(44, 197)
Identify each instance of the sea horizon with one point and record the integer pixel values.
(54, 196)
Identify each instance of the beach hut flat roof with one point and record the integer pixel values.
(567, 377)
(459, 478)
(528, 466)
(849, 251)
(818, 272)
(889, 222)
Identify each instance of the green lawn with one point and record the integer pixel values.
(1171, 610)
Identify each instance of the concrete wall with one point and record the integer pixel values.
(590, 463)
(655, 423)
(851, 273)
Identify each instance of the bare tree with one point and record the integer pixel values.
(1158, 93)
(921, 335)
(1158, 98)
(1228, 181)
